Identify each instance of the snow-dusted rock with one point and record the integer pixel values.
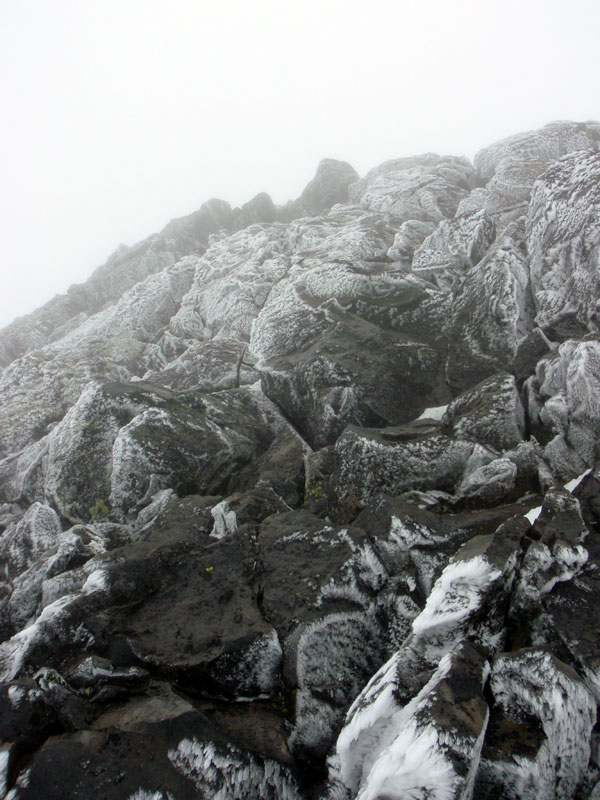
(531, 349)
(532, 686)
(165, 521)
(492, 311)
(411, 235)
(356, 373)
(160, 748)
(395, 460)
(563, 242)
(331, 628)
(510, 167)
(35, 534)
(426, 188)
(126, 267)
(564, 407)
(427, 749)
(207, 366)
(417, 544)
(490, 483)
(470, 598)
(491, 413)
(456, 244)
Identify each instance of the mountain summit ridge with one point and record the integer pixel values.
(302, 501)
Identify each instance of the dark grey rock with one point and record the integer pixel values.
(491, 413)
(491, 312)
(356, 373)
(396, 460)
(164, 750)
(260, 209)
(530, 350)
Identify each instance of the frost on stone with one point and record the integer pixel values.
(78, 475)
(491, 413)
(5, 763)
(33, 536)
(228, 773)
(28, 590)
(511, 167)
(371, 461)
(335, 655)
(469, 598)
(564, 403)
(427, 749)
(532, 687)
(456, 244)
(455, 596)
(564, 245)
(545, 565)
(491, 313)
(252, 670)
(426, 188)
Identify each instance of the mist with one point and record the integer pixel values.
(119, 116)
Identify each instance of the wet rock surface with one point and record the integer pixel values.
(303, 502)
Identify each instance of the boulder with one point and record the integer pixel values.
(428, 748)
(159, 748)
(540, 733)
(356, 373)
(563, 406)
(491, 414)
(509, 168)
(563, 241)
(491, 312)
(395, 460)
(328, 187)
(426, 188)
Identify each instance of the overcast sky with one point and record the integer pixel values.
(122, 114)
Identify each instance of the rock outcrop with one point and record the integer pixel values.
(303, 502)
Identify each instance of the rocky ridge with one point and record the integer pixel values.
(304, 501)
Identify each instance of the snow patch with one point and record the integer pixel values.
(97, 582)
(225, 520)
(435, 412)
(570, 486)
(16, 695)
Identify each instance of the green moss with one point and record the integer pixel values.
(190, 483)
(315, 490)
(98, 510)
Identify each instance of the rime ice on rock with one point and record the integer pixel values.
(168, 409)
(427, 187)
(511, 167)
(532, 688)
(563, 401)
(563, 241)
(470, 598)
(491, 312)
(427, 749)
(224, 774)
